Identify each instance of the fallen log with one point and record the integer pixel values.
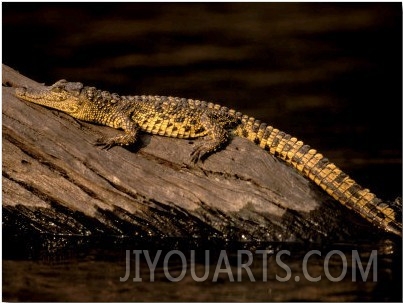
(55, 181)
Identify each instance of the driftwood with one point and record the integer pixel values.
(55, 181)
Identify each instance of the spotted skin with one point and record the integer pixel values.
(190, 119)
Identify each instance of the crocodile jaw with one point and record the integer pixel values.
(62, 95)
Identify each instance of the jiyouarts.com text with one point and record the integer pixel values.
(242, 265)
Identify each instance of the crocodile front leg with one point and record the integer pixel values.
(129, 138)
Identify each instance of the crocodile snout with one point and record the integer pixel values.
(20, 91)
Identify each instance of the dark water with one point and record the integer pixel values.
(329, 74)
(277, 274)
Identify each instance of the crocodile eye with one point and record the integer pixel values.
(74, 88)
(60, 82)
(56, 89)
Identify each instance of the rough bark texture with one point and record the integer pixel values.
(55, 181)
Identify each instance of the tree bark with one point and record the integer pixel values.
(55, 181)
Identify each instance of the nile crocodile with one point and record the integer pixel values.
(189, 119)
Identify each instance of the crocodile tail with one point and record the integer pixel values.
(321, 171)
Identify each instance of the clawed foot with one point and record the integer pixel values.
(206, 148)
(199, 153)
(106, 143)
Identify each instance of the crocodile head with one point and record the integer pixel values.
(63, 96)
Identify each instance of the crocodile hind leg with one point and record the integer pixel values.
(216, 137)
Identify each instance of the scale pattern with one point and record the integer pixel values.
(189, 119)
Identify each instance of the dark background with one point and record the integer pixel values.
(329, 74)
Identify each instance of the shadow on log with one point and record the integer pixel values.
(56, 182)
